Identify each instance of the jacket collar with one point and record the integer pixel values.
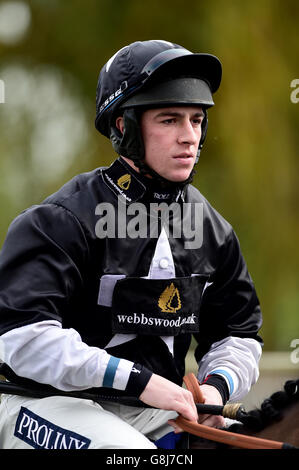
(124, 181)
(121, 179)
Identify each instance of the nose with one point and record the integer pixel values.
(188, 134)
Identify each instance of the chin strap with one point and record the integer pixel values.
(145, 170)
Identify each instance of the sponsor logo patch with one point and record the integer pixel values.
(42, 434)
(170, 301)
(124, 181)
(162, 307)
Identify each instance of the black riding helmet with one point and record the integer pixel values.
(150, 74)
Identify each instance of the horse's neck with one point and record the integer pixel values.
(286, 429)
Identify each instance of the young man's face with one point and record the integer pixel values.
(171, 138)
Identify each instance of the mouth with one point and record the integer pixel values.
(184, 157)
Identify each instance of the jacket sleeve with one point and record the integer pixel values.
(41, 265)
(230, 318)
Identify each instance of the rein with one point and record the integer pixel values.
(234, 411)
(219, 435)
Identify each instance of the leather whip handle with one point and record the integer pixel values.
(219, 435)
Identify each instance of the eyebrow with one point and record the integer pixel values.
(177, 114)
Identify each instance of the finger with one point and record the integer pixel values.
(202, 418)
(187, 411)
(191, 405)
(176, 428)
(214, 421)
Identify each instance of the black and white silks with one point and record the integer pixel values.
(60, 323)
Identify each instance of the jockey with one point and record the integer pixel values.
(104, 284)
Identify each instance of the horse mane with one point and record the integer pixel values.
(270, 410)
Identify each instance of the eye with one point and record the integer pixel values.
(169, 121)
(197, 121)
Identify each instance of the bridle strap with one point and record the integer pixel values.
(219, 435)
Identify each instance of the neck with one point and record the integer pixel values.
(156, 190)
(132, 164)
(144, 170)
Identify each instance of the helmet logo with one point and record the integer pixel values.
(124, 181)
(115, 96)
(170, 301)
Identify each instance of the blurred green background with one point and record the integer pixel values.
(51, 52)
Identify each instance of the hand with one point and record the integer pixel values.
(211, 397)
(166, 395)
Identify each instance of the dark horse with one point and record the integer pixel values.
(277, 420)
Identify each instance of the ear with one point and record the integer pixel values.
(120, 124)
